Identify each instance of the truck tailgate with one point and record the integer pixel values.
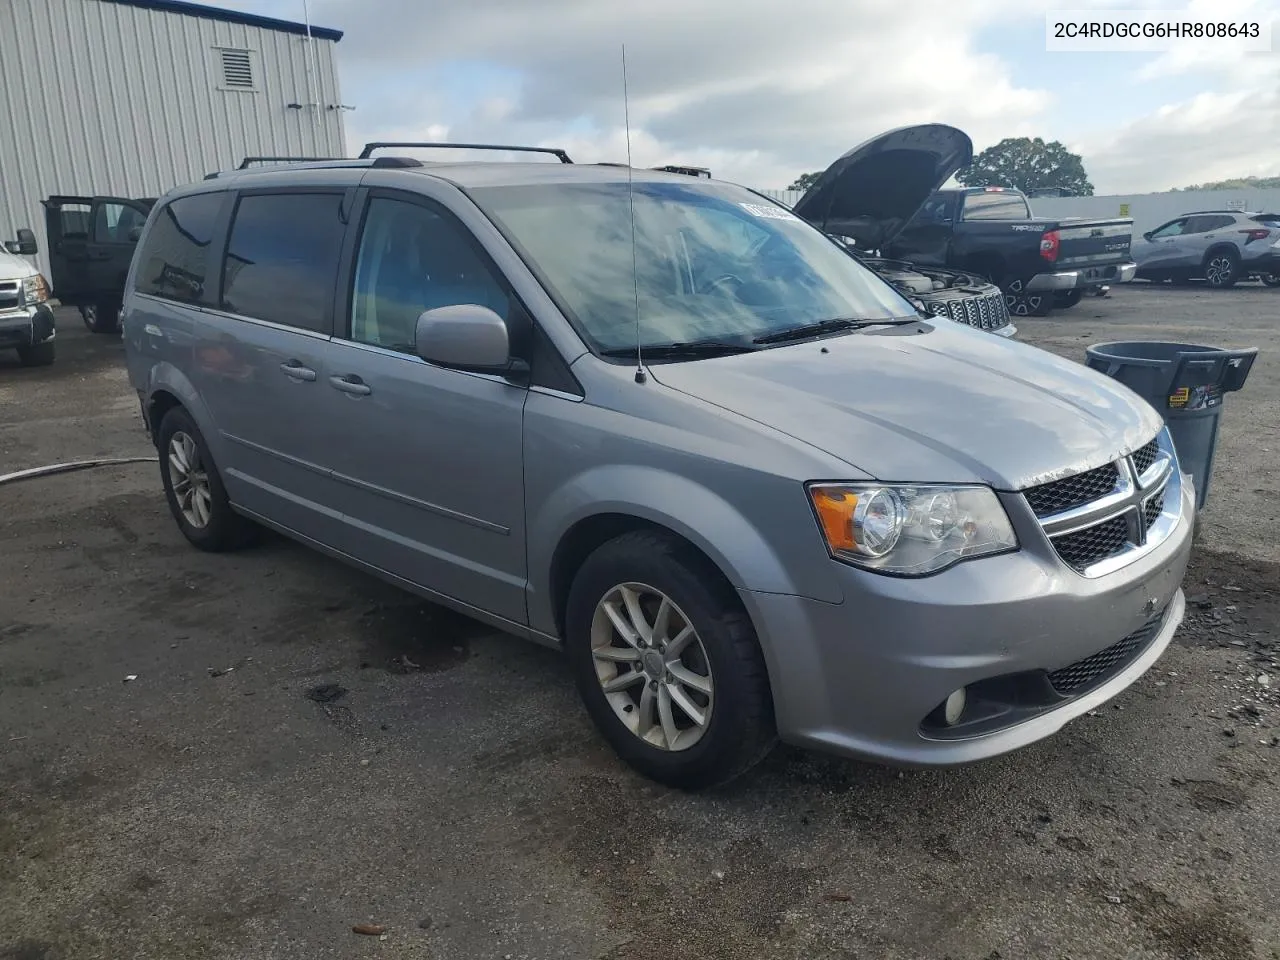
(1093, 243)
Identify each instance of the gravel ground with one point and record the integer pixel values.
(275, 774)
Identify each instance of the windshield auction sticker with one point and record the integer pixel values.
(768, 213)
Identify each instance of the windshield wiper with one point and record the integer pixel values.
(670, 351)
(828, 326)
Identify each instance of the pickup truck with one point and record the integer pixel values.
(91, 242)
(26, 319)
(1039, 263)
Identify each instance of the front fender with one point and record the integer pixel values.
(747, 557)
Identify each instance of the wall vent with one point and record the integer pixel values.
(237, 69)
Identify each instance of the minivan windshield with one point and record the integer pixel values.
(712, 262)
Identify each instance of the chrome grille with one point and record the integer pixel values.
(1152, 510)
(1143, 458)
(1059, 495)
(1102, 518)
(985, 311)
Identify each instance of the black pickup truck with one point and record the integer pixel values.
(1039, 263)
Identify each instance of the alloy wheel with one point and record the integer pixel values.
(1219, 270)
(1022, 302)
(652, 666)
(190, 480)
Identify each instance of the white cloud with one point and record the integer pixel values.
(760, 91)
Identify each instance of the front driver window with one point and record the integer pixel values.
(1169, 230)
(413, 259)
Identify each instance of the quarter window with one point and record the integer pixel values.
(413, 259)
(282, 258)
(174, 261)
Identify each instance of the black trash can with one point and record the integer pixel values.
(1186, 383)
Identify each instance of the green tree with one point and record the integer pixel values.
(1028, 165)
(805, 181)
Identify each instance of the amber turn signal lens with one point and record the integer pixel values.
(835, 512)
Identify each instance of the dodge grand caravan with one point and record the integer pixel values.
(665, 425)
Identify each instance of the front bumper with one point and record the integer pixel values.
(1083, 278)
(864, 678)
(26, 326)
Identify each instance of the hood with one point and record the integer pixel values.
(14, 267)
(871, 192)
(951, 406)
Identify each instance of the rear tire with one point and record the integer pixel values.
(718, 668)
(193, 487)
(1221, 268)
(38, 354)
(101, 318)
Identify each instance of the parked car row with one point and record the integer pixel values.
(1220, 247)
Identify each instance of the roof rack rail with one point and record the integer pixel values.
(367, 152)
(245, 163)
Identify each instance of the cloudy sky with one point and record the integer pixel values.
(762, 90)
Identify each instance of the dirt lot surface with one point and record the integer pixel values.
(276, 774)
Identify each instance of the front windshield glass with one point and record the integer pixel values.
(713, 262)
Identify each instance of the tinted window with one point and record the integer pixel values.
(173, 262)
(75, 221)
(117, 223)
(995, 206)
(282, 258)
(710, 261)
(1169, 229)
(414, 259)
(1213, 221)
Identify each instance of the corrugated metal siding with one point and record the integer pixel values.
(1150, 210)
(100, 98)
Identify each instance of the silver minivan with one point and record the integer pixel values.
(665, 425)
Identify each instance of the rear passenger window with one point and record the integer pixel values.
(414, 259)
(173, 263)
(282, 257)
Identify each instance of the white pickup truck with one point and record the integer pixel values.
(26, 319)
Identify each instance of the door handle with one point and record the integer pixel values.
(351, 384)
(99, 255)
(295, 370)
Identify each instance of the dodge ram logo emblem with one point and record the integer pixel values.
(1150, 606)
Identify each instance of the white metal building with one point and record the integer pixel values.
(131, 97)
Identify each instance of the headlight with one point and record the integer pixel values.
(34, 289)
(910, 530)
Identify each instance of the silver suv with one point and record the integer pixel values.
(664, 424)
(1219, 246)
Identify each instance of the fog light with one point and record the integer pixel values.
(953, 708)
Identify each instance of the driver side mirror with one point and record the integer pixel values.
(466, 336)
(1147, 235)
(26, 244)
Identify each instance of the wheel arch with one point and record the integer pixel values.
(609, 500)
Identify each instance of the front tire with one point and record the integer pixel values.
(667, 662)
(38, 354)
(193, 487)
(1271, 279)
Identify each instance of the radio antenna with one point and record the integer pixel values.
(631, 202)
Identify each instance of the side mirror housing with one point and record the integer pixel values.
(1147, 235)
(27, 245)
(464, 336)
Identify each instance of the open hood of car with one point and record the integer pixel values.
(871, 192)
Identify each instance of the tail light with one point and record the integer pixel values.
(1050, 243)
(1256, 235)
